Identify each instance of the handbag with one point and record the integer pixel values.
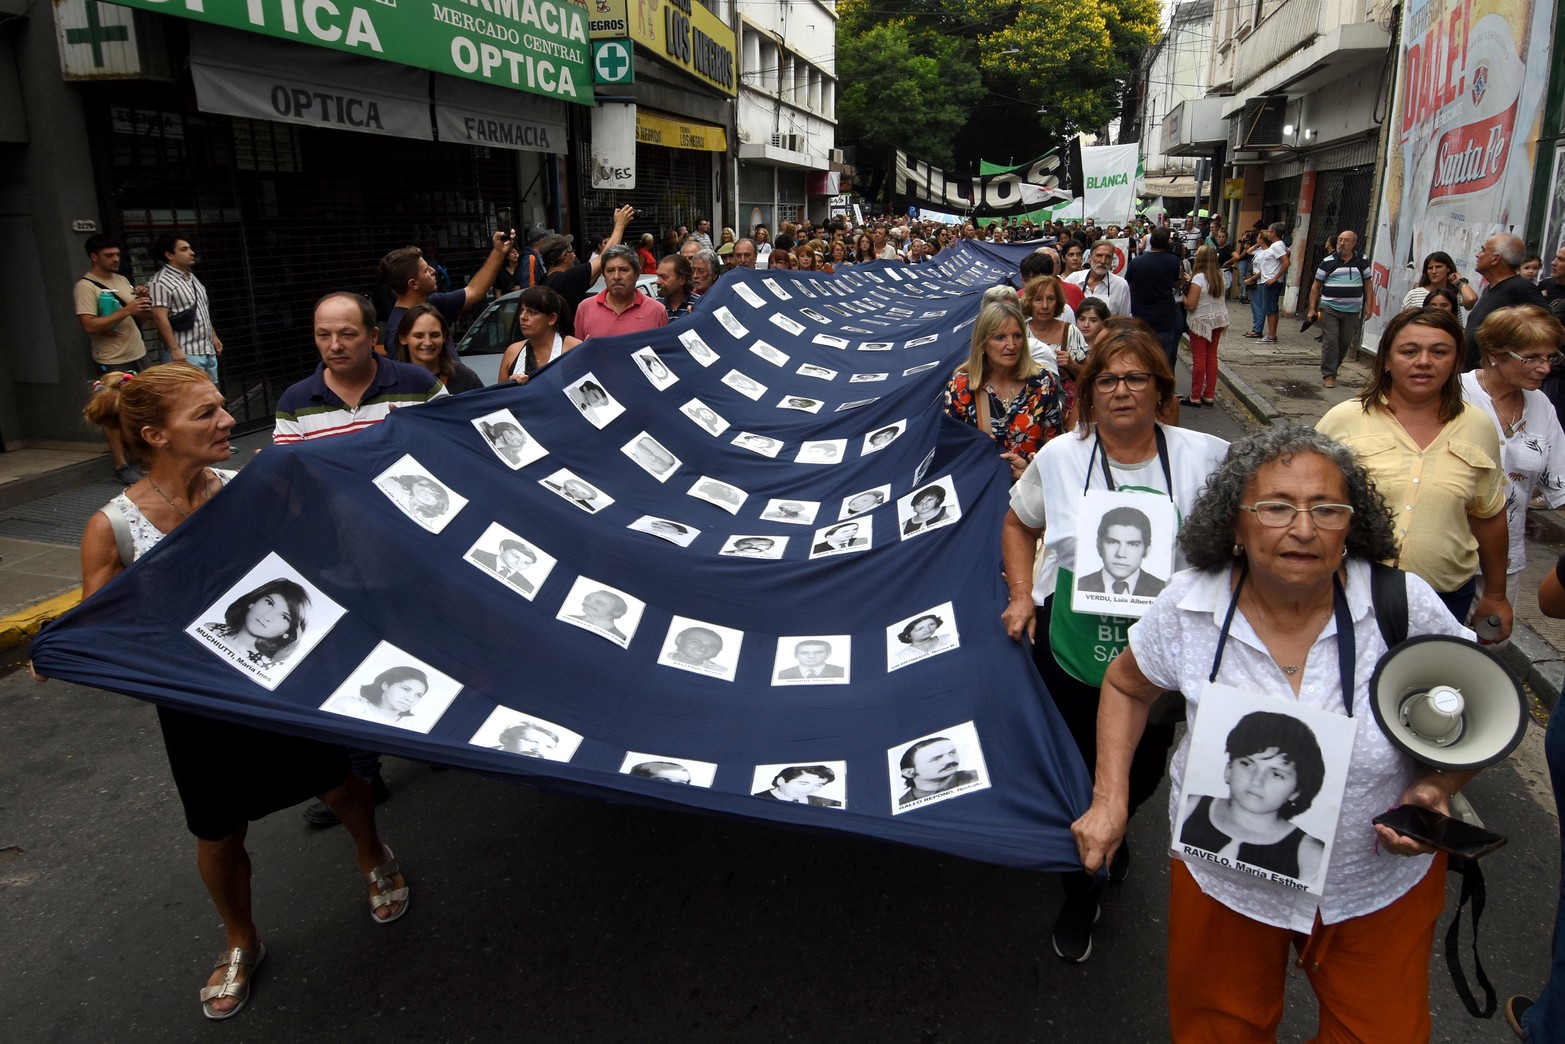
(182, 320)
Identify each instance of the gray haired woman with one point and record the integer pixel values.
(1282, 541)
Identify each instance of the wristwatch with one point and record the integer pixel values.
(1461, 282)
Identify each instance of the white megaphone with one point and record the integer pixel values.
(1448, 702)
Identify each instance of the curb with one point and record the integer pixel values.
(19, 628)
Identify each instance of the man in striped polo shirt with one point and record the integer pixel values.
(353, 388)
(179, 306)
(1337, 303)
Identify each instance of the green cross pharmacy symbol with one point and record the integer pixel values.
(611, 61)
(96, 34)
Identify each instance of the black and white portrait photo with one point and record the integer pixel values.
(875, 346)
(823, 785)
(920, 368)
(654, 369)
(868, 500)
(394, 687)
(744, 385)
(810, 313)
(936, 767)
(419, 495)
(511, 442)
(842, 539)
(765, 445)
(855, 404)
(266, 622)
(577, 491)
(704, 416)
(661, 768)
(701, 648)
(515, 562)
(718, 493)
(918, 342)
(802, 403)
(769, 548)
(928, 507)
(813, 660)
(923, 466)
(921, 636)
(1124, 551)
(1263, 787)
(603, 610)
(822, 451)
(666, 529)
(830, 340)
(651, 456)
(748, 296)
(882, 437)
(867, 378)
(821, 373)
(776, 288)
(527, 735)
(786, 323)
(699, 350)
(730, 322)
(589, 396)
(796, 512)
(770, 354)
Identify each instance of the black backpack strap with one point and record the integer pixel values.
(1472, 889)
(1388, 592)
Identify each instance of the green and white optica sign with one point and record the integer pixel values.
(538, 46)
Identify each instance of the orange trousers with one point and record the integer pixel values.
(1226, 972)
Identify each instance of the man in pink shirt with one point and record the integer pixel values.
(619, 309)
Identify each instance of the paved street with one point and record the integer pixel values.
(541, 917)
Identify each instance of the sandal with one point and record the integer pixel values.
(382, 893)
(232, 960)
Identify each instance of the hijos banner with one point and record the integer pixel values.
(743, 564)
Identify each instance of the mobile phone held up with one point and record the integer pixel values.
(1442, 832)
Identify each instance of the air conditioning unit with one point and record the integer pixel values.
(791, 142)
(835, 155)
(1259, 125)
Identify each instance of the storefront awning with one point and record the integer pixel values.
(676, 134)
(241, 74)
(477, 114)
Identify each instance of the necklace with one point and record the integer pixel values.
(166, 500)
(1512, 426)
(1290, 669)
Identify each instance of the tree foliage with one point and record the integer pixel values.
(932, 76)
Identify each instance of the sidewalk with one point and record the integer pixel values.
(1281, 382)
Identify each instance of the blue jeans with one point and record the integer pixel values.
(1257, 309)
(204, 362)
(1460, 601)
(1545, 1022)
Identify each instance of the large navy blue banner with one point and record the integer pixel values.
(743, 564)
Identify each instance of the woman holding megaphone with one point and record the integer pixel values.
(1277, 616)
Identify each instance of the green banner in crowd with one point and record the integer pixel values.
(539, 46)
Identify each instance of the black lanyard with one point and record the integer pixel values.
(1103, 458)
(1346, 647)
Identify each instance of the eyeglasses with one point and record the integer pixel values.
(1108, 383)
(1279, 513)
(1535, 360)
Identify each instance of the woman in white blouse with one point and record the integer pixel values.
(1285, 534)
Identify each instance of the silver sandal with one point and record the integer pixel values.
(385, 895)
(232, 960)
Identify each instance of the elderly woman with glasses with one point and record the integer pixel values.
(1517, 347)
(1119, 446)
(1278, 610)
(1436, 460)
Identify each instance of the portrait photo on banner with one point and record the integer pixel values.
(588, 395)
(744, 385)
(1124, 551)
(517, 732)
(769, 548)
(680, 533)
(265, 623)
(603, 610)
(511, 442)
(394, 687)
(665, 769)
(933, 768)
(701, 648)
(880, 438)
(730, 322)
(577, 490)
(517, 563)
(419, 495)
(651, 456)
(818, 659)
(929, 507)
(654, 369)
(842, 538)
(865, 500)
(770, 354)
(765, 445)
(823, 784)
(699, 350)
(921, 636)
(1263, 787)
(719, 494)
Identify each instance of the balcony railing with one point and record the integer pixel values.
(1292, 27)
